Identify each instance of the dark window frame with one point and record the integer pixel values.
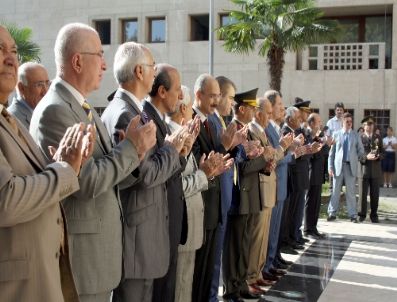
(149, 22)
(96, 23)
(123, 32)
(192, 28)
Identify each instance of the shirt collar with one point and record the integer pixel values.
(77, 95)
(173, 125)
(137, 102)
(201, 115)
(255, 123)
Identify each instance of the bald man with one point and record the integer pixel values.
(32, 86)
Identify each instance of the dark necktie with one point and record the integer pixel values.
(207, 128)
(345, 146)
(144, 117)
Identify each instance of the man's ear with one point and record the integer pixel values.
(182, 108)
(162, 92)
(138, 72)
(77, 62)
(21, 89)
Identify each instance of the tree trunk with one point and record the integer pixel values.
(275, 61)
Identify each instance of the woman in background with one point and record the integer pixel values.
(389, 162)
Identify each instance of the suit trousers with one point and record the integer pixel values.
(236, 253)
(312, 207)
(274, 233)
(204, 266)
(133, 290)
(349, 179)
(164, 288)
(285, 222)
(258, 245)
(297, 208)
(373, 184)
(102, 297)
(184, 276)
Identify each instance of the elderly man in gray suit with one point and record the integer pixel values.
(94, 213)
(32, 85)
(34, 263)
(145, 204)
(342, 165)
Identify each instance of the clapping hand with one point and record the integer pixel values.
(70, 147)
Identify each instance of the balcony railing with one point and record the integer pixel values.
(346, 56)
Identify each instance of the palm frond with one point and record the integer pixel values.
(27, 49)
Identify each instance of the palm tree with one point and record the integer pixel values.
(278, 26)
(27, 49)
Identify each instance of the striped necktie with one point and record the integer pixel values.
(87, 109)
(222, 122)
(10, 119)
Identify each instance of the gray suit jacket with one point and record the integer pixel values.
(194, 181)
(356, 152)
(31, 222)
(146, 235)
(20, 110)
(93, 213)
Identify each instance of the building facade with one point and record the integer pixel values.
(359, 70)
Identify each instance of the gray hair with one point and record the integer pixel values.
(24, 69)
(201, 82)
(127, 56)
(68, 42)
(186, 96)
(272, 95)
(290, 112)
(261, 101)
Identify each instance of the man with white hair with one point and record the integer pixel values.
(94, 213)
(146, 248)
(32, 85)
(195, 180)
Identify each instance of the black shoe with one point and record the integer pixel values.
(280, 265)
(375, 220)
(269, 277)
(331, 218)
(284, 261)
(297, 246)
(354, 220)
(250, 296)
(302, 241)
(288, 250)
(278, 272)
(362, 218)
(315, 235)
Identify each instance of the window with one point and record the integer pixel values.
(100, 110)
(157, 30)
(225, 19)
(381, 117)
(129, 29)
(103, 29)
(199, 27)
(315, 110)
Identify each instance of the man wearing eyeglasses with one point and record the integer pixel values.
(94, 213)
(32, 85)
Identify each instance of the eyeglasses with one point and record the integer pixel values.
(99, 54)
(42, 84)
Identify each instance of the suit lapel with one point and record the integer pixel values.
(258, 134)
(161, 128)
(28, 146)
(82, 116)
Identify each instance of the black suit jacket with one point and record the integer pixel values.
(372, 168)
(211, 197)
(176, 200)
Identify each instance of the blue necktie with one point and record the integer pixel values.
(345, 147)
